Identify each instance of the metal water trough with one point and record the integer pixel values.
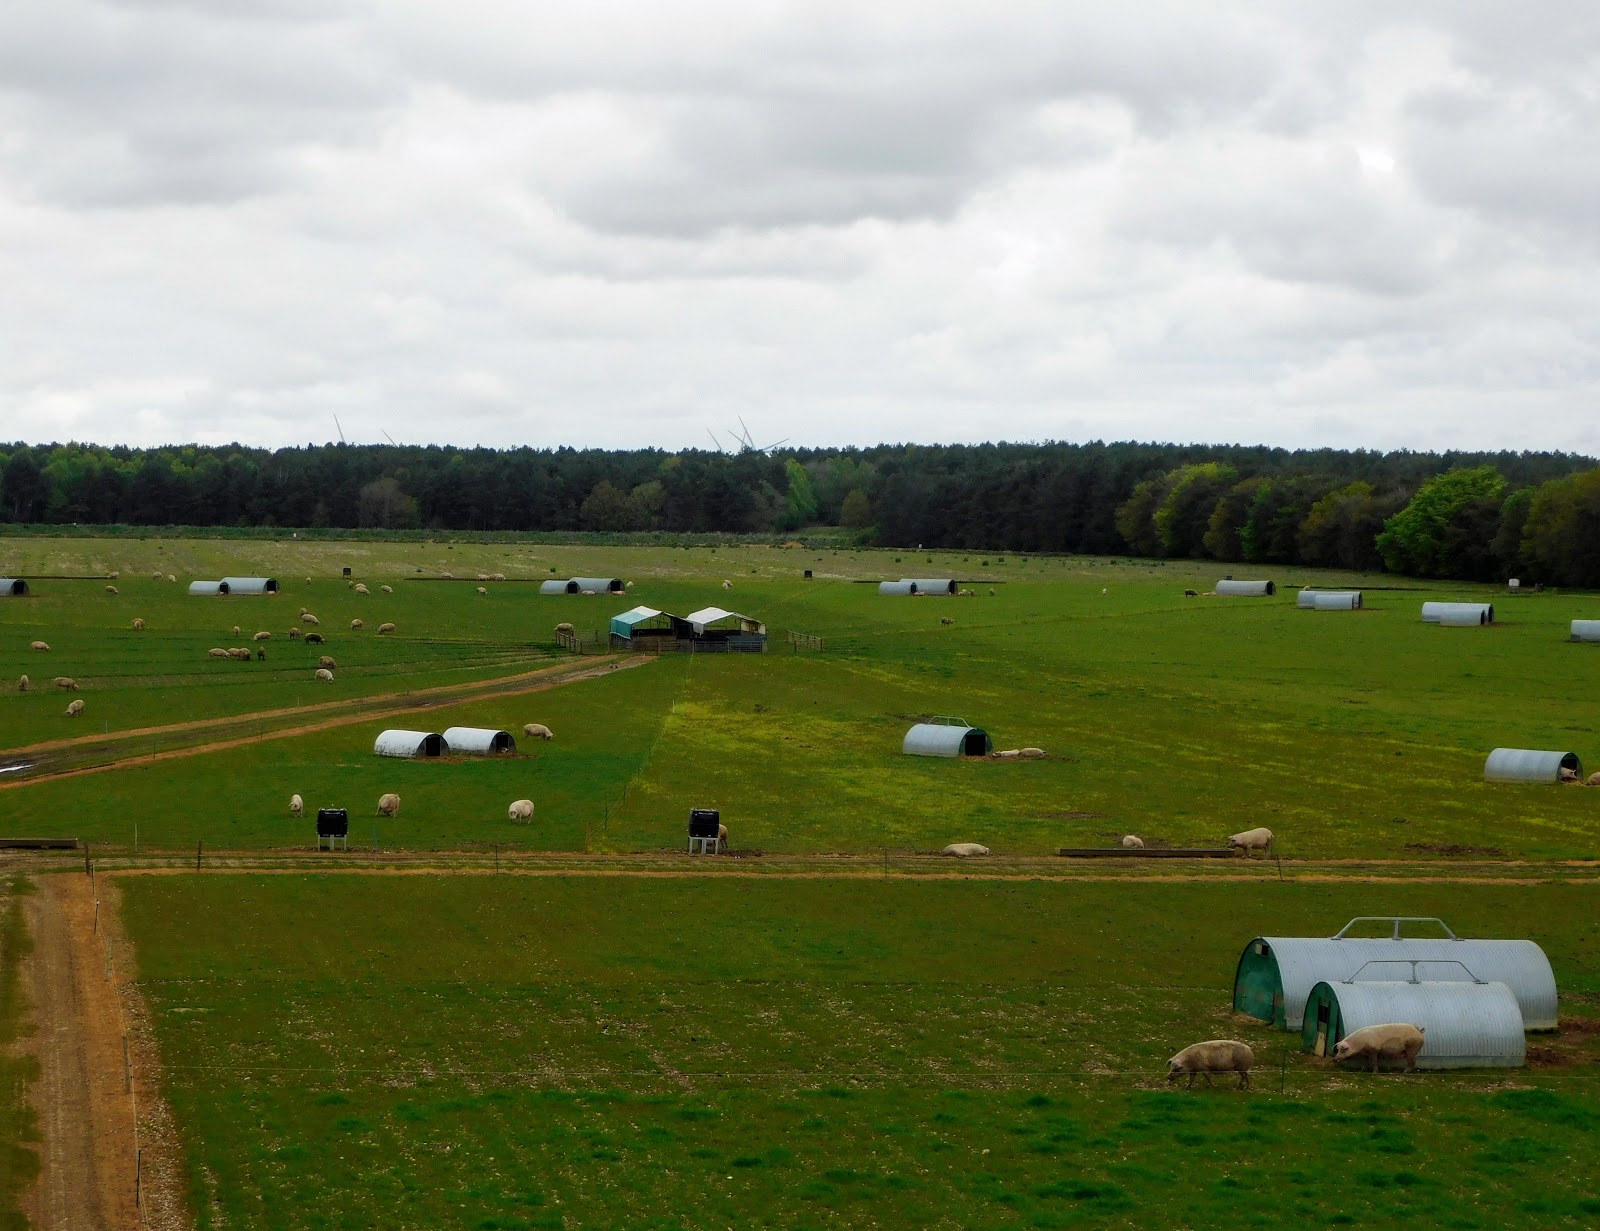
(1135, 852)
(39, 844)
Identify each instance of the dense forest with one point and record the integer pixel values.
(1479, 516)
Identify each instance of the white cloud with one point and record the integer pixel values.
(623, 224)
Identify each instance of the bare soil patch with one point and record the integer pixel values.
(86, 1114)
(1451, 848)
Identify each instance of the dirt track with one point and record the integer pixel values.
(369, 709)
(86, 1116)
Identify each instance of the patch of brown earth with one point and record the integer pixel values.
(88, 1142)
(1450, 848)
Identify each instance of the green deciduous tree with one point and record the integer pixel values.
(1448, 528)
(856, 512)
(1341, 529)
(1561, 538)
(1183, 515)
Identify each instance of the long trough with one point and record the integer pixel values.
(1136, 852)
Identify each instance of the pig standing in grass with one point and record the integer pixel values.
(1215, 1056)
(1252, 840)
(1390, 1041)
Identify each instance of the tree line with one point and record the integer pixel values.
(1472, 516)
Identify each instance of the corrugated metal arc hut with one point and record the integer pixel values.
(250, 585)
(1329, 600)
(12, 587)
(409, 744)
(1465, 1024)
(208, 587)
(1530, 765)
(904, 586)
(1275, 974)
(577, 585)
(946, 737)
(918, 585)
(1458, 615)
(478, 741)
(1582, 630)
(1247, 589)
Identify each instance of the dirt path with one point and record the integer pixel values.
(415, 703)
(86, 1114)
(314, 864)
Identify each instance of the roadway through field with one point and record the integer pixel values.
(86, 1113)
(56, 759)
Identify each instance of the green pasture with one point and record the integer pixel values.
(1181, 719)
(631, 1052)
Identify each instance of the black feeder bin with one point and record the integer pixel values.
(705, 831)
(333, 828)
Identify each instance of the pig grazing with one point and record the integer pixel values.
(1216, 1056)
(1252, 840)
(1390, 1041)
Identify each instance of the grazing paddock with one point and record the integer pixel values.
(815, 1053)
(1361, 737)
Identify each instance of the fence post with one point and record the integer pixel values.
(198, 847)
(138, 1179)
(88, 868)
(127, 1068)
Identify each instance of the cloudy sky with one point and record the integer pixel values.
(620, 224)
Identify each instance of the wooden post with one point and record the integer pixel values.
(198, 847)
(95, 927)
(127, 1068)
(88, 868)
(138, 1179)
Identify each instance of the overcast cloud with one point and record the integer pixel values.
(618, 225)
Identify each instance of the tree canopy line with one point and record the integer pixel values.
(1470, 516)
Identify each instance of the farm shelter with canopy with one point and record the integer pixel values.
(577, 585)
(1246, 589)
(1582, 630)
(250, 585)
(946, 737)
(641, 624)
(717, 628)
(478, 741)
(1465, 1024)
(409, 744)
(208, 587)
(1276, 973)
(918, 585)
(1530, 765)
(13, 587)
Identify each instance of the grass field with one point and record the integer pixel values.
(628, 1052)
(1180, 719)
(824, 1051)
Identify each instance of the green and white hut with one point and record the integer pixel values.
(1275, 974)
(1466, 1024)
